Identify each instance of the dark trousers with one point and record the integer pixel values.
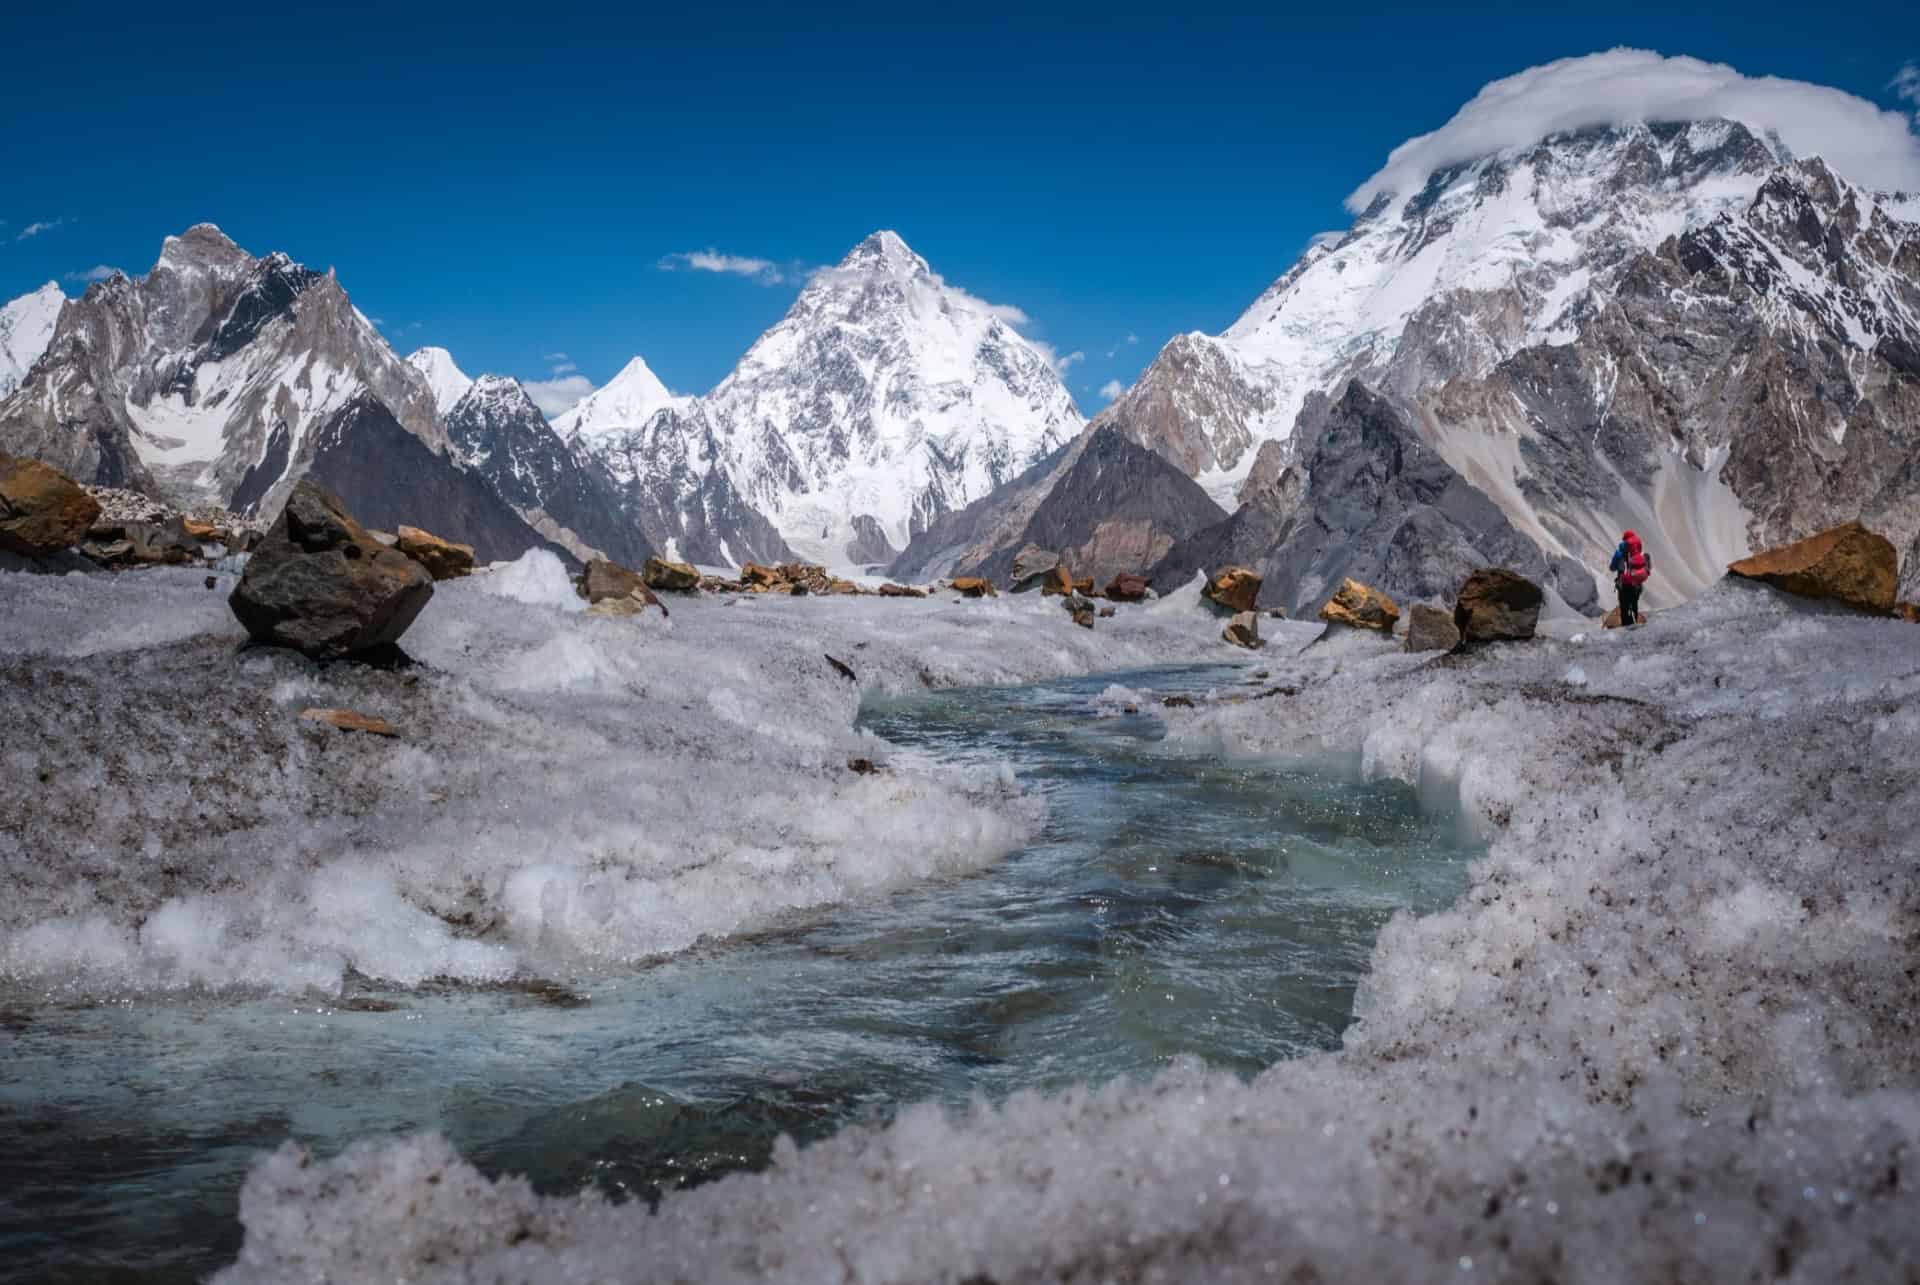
(1629, 602)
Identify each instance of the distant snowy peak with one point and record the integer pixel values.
(626, 401)
(448, 382)
(884, 397)
(26, 326)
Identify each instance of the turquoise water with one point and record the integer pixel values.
(1173, 905)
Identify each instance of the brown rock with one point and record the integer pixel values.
(1107, 613)
(758, 579)
(1244, 630)
(1908, 611)
(901, 591)
(1430, 629)
(603, 580)
(675, 577)
(1495, 603)
(213, 582)
(1032, 565)
(204, 532)
(318, 582)
(975, 587)
(443, 559)
(1084, 587)
(1361, 606)
(1058, 583)
(631, 605)
(1848, 564)
(1128, 587)
(42, 510)
(1235, 588)
(348, 721)
(1081, 609)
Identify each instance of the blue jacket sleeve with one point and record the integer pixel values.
(1619, 560)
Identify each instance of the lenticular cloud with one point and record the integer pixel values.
(1626, 86)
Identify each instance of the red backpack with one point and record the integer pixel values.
(1635, 572)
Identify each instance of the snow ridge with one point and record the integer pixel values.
(26, 326)
(448, 382)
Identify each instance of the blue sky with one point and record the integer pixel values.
(508, 184)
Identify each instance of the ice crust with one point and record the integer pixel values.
(1667, 1034)
(569, 791)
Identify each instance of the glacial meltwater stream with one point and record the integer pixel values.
(1173, 905)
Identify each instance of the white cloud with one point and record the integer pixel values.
(555, 356)
(99, 272)
(1906, 86)
(1061, 365)
(378, 321)
(557, 396)
(564, 368)
(765, 271)
(35, 229)
(1112, 389)
(1132, 338)
(1623, 86)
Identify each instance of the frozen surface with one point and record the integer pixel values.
(1667, 1034)
(614, 788)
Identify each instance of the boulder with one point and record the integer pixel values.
(1128, 587)
(1244, 630)
(676, 577)
(1361, 606)
(443, 559)
(1108, 613)
(204, 532)
(974, 587)
(605, 581)
(1430, 629)
(349, 721)
(758, 579)
(1495, 603)
(1032, 565)
(141, 544)
(320, 583)
(42, 510)
(1057, 583)
(1084, 586)
(1908, 611)
(630, 605)
(901, 591)
(1080, 608)
(1847, 564)
(1237, 589)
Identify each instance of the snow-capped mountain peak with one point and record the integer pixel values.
(1488, 256)
(448, 382)
(626, 401)
(26, 326)
(884, 398)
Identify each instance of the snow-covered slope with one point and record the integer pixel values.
(627, 401)
(26, 324)
(885, 392)
(448, 382)
(1490, 256)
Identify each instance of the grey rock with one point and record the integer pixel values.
(1244, 630)
(1030, 565)
(320, 583)
(1430, 629)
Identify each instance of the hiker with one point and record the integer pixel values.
(1631, 566)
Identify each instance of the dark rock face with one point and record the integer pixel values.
(966, 538)
(1495, 603)
(42, 511)
(320, 583)
(572, 501)
(1118, 507)
(869, 546)
(1377, 504)
(389, 478)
